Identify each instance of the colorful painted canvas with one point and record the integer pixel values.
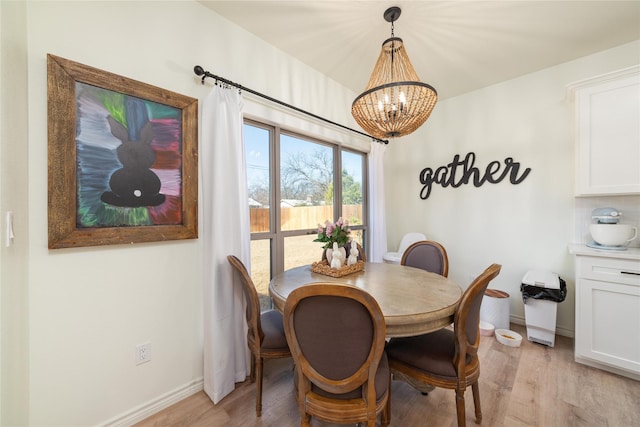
(129, 160)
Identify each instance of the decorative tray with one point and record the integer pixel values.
(323, 267)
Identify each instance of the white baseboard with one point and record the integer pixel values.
(520, 320)
(154, 406)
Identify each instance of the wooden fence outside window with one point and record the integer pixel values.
(303, 217)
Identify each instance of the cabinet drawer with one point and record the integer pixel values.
(609, 270)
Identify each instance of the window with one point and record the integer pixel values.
(295, 183)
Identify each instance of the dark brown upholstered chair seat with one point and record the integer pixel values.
(431, 353)
(427, 255)
(273, 330)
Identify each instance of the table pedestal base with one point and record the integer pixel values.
(420, 386)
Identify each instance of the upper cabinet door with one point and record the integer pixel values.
(607, 133)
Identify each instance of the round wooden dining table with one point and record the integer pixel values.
(413, 301)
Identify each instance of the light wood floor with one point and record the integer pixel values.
(532, 385)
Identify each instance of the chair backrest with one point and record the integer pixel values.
(336, 334)
(467, 318)
(427, 255)
(254, 334)
(408, 239)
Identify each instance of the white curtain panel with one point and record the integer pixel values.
(225, 231)
(378, 228)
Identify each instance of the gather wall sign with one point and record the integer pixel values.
(460, 172)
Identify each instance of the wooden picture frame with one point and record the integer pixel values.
(123, 159)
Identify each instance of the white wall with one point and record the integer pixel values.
(75, 315)
(522, 227)
(83, 310)
(14, 345)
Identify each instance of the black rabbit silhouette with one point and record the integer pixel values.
(134, 185)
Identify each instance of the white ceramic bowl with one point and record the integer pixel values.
(486, 328)
(508, 337)
(613, 234)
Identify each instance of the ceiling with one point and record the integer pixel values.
(455, 46)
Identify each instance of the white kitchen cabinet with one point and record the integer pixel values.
(607, 334)
(607, 133)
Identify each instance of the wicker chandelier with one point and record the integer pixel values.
(395, 101)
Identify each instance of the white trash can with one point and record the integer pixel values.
(495, 308)
(541, 292)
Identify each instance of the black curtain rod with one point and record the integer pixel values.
(201, 72)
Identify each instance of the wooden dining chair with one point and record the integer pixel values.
(427, 255)
(448, 358)
(337, 336)
(265, 337)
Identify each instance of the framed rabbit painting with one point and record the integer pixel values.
(123, 159)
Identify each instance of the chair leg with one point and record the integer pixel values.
(252, 371)
(462, 422)
(305, 420)
(386, 412)
(385, 417)
(259, 386)
(476, 402)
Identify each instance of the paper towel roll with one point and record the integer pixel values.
(495, 308)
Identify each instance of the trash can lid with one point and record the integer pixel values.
(542, 279)
(494, 293)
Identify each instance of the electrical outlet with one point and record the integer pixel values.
(143, 353)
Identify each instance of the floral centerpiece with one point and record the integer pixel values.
(331, 232)
(335, 236)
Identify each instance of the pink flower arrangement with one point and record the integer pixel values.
(331, 232)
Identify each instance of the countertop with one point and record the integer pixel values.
(584, 250)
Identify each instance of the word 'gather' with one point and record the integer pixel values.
(460, 172)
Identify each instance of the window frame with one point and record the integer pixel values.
(275, 234)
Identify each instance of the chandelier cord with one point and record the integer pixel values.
(393, 49)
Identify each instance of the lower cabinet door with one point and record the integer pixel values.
(609, 323)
